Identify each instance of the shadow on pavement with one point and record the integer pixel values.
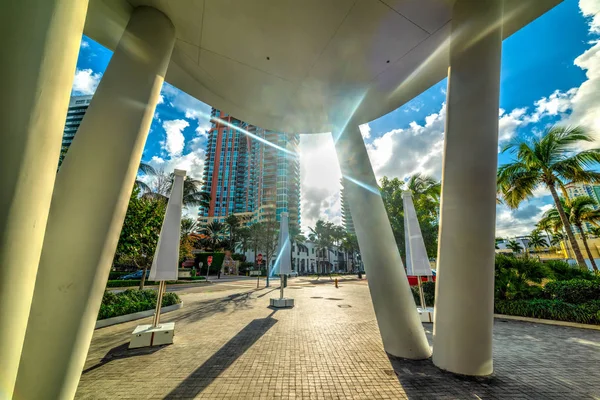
(120, 352)
(205, 374)
(194, 313)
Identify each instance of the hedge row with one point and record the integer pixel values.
(132, 301)
(574, 291)
(136, 282)
(585, 313)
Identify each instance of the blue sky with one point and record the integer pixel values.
(550, 74)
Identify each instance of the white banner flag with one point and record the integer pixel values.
(417, 262)
(166, 256)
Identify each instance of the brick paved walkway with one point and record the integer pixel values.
(230, 345)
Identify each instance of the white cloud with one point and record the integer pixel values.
(365, 131)
(175, 140)
(511, 223)
(320, 180)
(418, 148)
(509, 123)
(85, 82)
(190, 106)
(591, 9)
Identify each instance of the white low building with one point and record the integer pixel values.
(307, 259)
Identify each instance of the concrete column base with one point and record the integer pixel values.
(282, 303)
(147, 336)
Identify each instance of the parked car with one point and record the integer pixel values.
(293, 274)
(136, 275)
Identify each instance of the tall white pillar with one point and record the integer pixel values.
(88, 208)
(39, 43)
(464, 303)
(401, 329)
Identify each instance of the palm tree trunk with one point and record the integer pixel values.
(587, 248)
(567, 226)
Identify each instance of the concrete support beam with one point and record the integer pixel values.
(397, 317)
(39, 43)
(88, 208)
(464, 302)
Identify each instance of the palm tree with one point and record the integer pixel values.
(193, 196)
(321, 236)
(551, 162)
(426, 193)
(536, 240)
(188, 226)
(213, 233)
(595, 230)
(232, 223)
(546, 225)
(580, 210)
(244, 236)
(297, 239)
(144, 169)
(514, 246)
(556, 239)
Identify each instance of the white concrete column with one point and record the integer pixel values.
(88, 208)
(39, 43)
(464, 302)
(401, 329)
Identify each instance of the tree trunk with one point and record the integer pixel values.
(143, 280)
(587, 248)
(567, 226)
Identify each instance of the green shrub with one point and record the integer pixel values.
(514, 275)
(132, 301)
(574, 291)
(563, 271)
(551, 309)
(428, 291)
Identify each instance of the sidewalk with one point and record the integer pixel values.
(230, 345)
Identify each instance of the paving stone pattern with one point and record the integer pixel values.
(230, 345)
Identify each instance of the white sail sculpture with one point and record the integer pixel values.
(417, 261)
(164, 268)
(283, 263)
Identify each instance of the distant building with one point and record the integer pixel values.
(308, 259)
(244, 176)
(582, 189)
(347, 222)
(77, 108)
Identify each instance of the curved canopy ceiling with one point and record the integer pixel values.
(298, 66)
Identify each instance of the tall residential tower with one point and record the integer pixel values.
(245, 176)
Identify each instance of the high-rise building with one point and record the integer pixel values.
(583, 189)
(346, 216)
(245, 176)
(77, 108)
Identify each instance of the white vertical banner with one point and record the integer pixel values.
(416, 254)
(284, 248)
(166, 256)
